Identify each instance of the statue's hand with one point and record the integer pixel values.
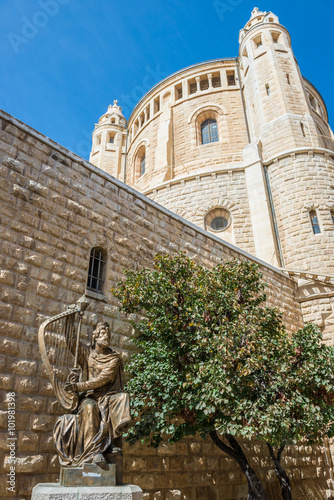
(71, 387)
(74, 375)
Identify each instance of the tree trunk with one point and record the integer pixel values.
(255, 488)
(280, 472)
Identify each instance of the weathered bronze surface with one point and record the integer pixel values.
(103, 411)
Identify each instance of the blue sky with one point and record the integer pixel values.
(64, 61)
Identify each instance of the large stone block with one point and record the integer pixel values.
(88, 475)
(53, 491)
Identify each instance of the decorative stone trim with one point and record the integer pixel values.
(299, 151)
(310, 206)
(205, 112)
(316, 296)
(325, 278)
(216, 203)
(183, 180)
(207, 107)
(213, 204)
(183, 213)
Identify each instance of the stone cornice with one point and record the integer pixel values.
(194, 175)
(295, 151)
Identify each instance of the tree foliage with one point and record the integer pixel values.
(212, 355)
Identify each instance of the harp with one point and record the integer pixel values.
(58, 339)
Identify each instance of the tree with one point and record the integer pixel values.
(307, 396)
(214, 360)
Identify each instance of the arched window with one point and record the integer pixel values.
(96, 270)
(98, 140)
(332, 215)
(314, 222)
(324, 139)
(142, 165)
(140, 162)
(208, 125)
(312, 101)
(209, 131)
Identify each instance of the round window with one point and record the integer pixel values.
(219, 223)
(218, 219)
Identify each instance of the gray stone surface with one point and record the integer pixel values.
(54, 491)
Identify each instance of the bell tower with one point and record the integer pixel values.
(109, 142)
(278, 107)
(292, 145)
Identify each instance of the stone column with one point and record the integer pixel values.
(210, 80)
(262, 224)
(185, 93)
(163, 152)
(198, 83)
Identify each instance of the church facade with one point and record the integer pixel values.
(242, 148)
(231, 158)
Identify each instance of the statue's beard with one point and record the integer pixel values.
(103, 343)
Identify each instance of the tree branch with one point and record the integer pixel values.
(218, 442)
(235, 445)
(280, 451)
(280, 472)
(271, 452)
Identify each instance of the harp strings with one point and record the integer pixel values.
(60, 339)
(61, 353)
(70, 337)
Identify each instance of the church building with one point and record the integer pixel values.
(228, 158)
(242, 148)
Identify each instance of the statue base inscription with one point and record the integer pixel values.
(52, 491)
(88, 475)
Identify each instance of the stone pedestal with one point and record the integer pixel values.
(54, 491)
(88, 475)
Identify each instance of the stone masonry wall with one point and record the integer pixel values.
(301, 182)
(55, 208)
(179, 148)
(232, 138)
(194, 197)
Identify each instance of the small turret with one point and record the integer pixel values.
(278, 108)
(258, 17)
(109, 139)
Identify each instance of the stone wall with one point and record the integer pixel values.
(55, 208)
(171, 135)
(300, 182)
(193, 156)
(194, 196)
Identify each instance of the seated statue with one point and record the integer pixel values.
(104, 409)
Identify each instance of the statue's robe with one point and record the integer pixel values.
(103, 411)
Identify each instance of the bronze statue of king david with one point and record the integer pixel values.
(91, 390)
